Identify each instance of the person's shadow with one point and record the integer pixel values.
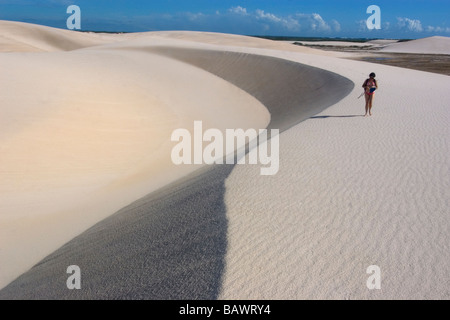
(325, 117)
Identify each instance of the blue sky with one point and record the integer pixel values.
(345, 18)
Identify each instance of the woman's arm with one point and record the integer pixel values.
(365, 84)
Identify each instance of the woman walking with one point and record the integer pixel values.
(370, 85)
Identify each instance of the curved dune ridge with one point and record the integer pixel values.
(97, 108)
(25, 37)
(85, 133)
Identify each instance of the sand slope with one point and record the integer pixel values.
(86, 133)
(25, 37)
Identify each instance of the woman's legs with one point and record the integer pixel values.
(367, 103)
(370, 104)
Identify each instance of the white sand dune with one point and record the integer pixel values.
(382, 41)
(78, 145)
(431, 45)
(25, 37)
(78, 142)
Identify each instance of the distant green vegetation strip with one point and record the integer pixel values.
(359, 40)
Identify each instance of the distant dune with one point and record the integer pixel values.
(431, 45)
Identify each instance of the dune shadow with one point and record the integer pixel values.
(347, 116)
(167, 245)
(172, 243)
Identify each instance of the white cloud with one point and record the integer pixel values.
(286, 22)
(433, 29)
(437, 29)
(336, 25)
(319, 23)
(292, 24)
(314, 21)
(269, 16)
(362, 25)
(410, 24)
(238, 10)
(194, 16)
(308, 22)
